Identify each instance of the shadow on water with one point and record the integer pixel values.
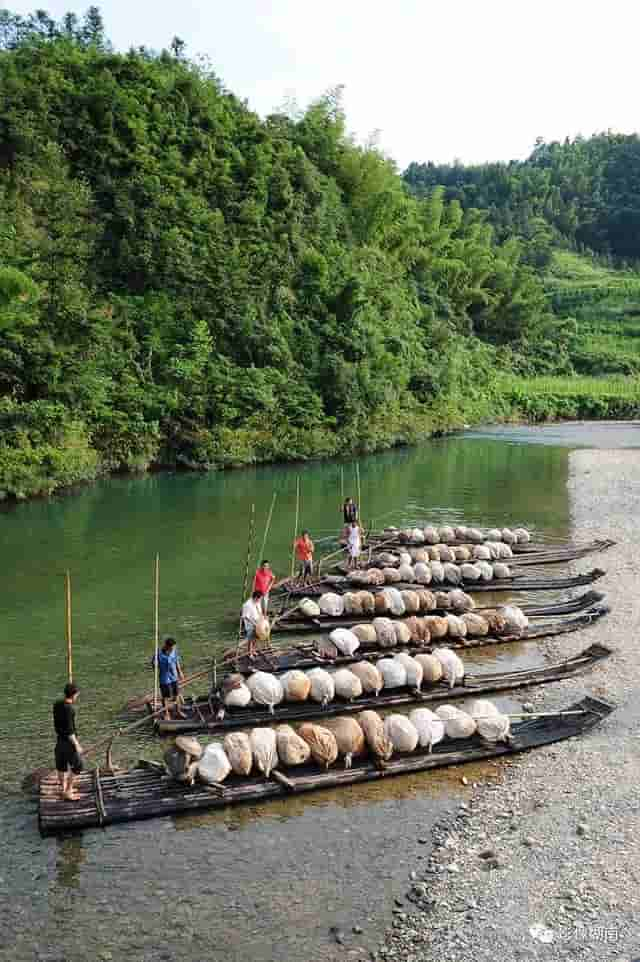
(251, 883)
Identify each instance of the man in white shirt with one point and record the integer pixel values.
(251, 615)
(354, 544)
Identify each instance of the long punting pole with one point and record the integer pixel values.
(360, 514)
(295, 530)
(246, 569)
(342, 483)
(268, 526)
(67, 585)
(156, 632)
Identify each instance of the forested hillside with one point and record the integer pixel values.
(183, 283)
(584, 192)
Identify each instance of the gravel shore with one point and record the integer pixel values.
(542, 860)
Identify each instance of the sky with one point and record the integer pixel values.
(472, 80)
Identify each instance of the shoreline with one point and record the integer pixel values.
(542, 861)
(9, 501)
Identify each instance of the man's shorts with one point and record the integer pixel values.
(67, 757)
(306, 568)
(170, 690)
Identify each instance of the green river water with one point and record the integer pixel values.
(254, 883)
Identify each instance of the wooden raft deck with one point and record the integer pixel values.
(106, 799)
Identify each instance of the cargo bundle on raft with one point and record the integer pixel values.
(385, 685)
(108, 797)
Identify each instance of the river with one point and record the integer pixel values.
(255, 883)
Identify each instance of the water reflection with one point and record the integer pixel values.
(70, 856)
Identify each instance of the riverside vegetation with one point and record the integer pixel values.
(183, 283)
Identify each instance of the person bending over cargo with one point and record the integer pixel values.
(68, 751)
(263, 582)
(170, 674)
(251, 615)
(304, 553)
(354, 544)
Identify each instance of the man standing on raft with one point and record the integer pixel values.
(68, 751)
(304, 553)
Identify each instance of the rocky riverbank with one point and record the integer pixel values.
(542, 861)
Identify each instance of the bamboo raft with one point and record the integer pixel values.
(299, 623)
(565, 551)
(315, 653)
(519, 582)
(108, 797)
(206, 713)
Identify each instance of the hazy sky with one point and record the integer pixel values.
(473, 79)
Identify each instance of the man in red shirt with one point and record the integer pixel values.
(304, 553)
(263, 582)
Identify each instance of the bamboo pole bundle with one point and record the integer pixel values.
(295, 530)
(156, 632)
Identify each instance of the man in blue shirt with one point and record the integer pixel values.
(170, 674)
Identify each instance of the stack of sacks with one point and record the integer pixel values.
(481, 553)
(419, 555)
(387, 558)
(403, 634)
(393, 672)
(457, 627)
(460, 601)
(442, 600)
(457, 724)
(401, 733)
(452, 667)
(370, 678)
(235, 694)
(265, 689)
(437, 572)
(470, 572)
(447, 534)
(391, 576)
(462, 553)
(182, 760)
(477, 626)
(322, 687)
(214, 766)
(321, 741)
(292, 750)
(346, 684)
(427, 600)
(237, 747)
(437, 626)
(406, 573)
(429, 726)
(366, 634)
(422, 573)
(377, 740)
(431, 668)
(385, 632)
(515, 619)
(486, 570)
(413, 669)
(295, 685)
(446, 553)
(492, 725)
(501, 570)
(331, 605)
(349, 738)
(411, 602)
(394, 601)
(405, 557)
(431, 535)
(346, 642)
(522, 536)
(264, 749)
(309, 608)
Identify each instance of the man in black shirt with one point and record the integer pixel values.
(68, 748)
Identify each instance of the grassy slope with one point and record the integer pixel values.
(605, 352)
(606, 305)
